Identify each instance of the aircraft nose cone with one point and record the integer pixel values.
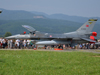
(10, 37)
(18, 37)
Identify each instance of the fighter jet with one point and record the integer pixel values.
(81, 35)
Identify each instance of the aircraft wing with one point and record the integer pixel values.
(89, 40)
(31, 29)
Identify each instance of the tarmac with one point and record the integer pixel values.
(65, 50)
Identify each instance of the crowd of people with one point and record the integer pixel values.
(28, 44)
(78, 46)
(16, 44)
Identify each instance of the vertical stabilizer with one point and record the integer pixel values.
(87, 27)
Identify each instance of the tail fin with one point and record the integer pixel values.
(87, 27)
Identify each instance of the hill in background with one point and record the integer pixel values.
(11, 21)
(67, 17)
(21, 14)
(17, 14)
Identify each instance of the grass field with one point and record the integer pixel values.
(30, 62)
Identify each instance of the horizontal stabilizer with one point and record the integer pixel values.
(89, 40)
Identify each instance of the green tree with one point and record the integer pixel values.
(7, 34)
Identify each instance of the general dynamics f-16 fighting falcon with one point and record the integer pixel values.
(81, 35)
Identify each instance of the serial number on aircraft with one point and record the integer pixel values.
(83, 28)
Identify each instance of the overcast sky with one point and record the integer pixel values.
(85, 8)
